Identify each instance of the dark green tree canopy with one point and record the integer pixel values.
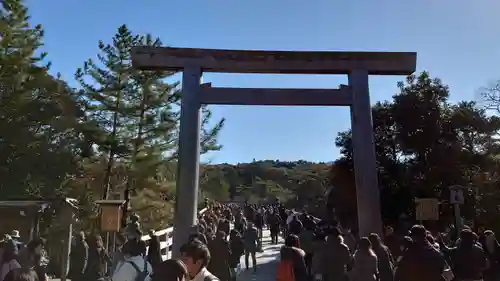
(424, 144)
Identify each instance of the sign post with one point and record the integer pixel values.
(427, 209)
(457, 199)
(111, 219)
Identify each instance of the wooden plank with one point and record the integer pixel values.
(285, 62)
(290, 97)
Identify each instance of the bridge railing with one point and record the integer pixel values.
(165, 236)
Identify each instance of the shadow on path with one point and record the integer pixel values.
(265, 272)
(266, 256)
(267, 262)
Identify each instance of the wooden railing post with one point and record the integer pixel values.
(167, 235)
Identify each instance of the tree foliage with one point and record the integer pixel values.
(424, 144)
(301, 184)
(115, 135)
(138, 114)
(40, 119)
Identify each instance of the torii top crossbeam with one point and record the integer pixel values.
(285, 62)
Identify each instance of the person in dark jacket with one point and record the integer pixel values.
(220, 257)
(491, 248)
(384, 258)
(295, 226)
(364, 267)
(22, 274)
(224, 225)
(154, 251)
(98, 258)
(35, 257)
(227, 214)
(274, 222)
(237, 250)
(421, 257)
(171, 270)
(307, 244)
(332, 259)
(392, 241)
(468, 260)
(249, 212)
(292, 252)
(240, 222)
(259, 224)
(283, 215)
(405, 244)
(197, 233)
(134, 238)
(78, 258)
(250, 239)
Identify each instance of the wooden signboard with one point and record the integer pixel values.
(111, 214)
(427, 209)
(111, 217)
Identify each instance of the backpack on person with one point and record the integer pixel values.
(285, 271)
(143, 274)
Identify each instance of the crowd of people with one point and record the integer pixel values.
(223, 234)
(314, 250)
(324, 251)
(21, 261)
(213, 251)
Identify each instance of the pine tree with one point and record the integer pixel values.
(105, 97)
(154, 123)
(139, 112)
(36, 111)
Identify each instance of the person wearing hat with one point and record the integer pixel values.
(14, 235)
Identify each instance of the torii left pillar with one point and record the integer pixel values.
(188, 166)
(365, 161)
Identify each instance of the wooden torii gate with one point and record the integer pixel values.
(357, 65)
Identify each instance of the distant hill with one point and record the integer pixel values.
(300, 183)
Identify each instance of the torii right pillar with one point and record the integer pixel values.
(365, 162)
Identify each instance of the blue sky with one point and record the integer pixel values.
(456, 40)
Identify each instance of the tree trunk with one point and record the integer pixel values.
(112, 149)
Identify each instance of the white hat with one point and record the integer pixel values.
(15, 234)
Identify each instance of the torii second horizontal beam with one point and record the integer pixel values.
(277, 97)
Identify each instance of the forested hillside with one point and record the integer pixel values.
(301, 181)
(298, 183)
